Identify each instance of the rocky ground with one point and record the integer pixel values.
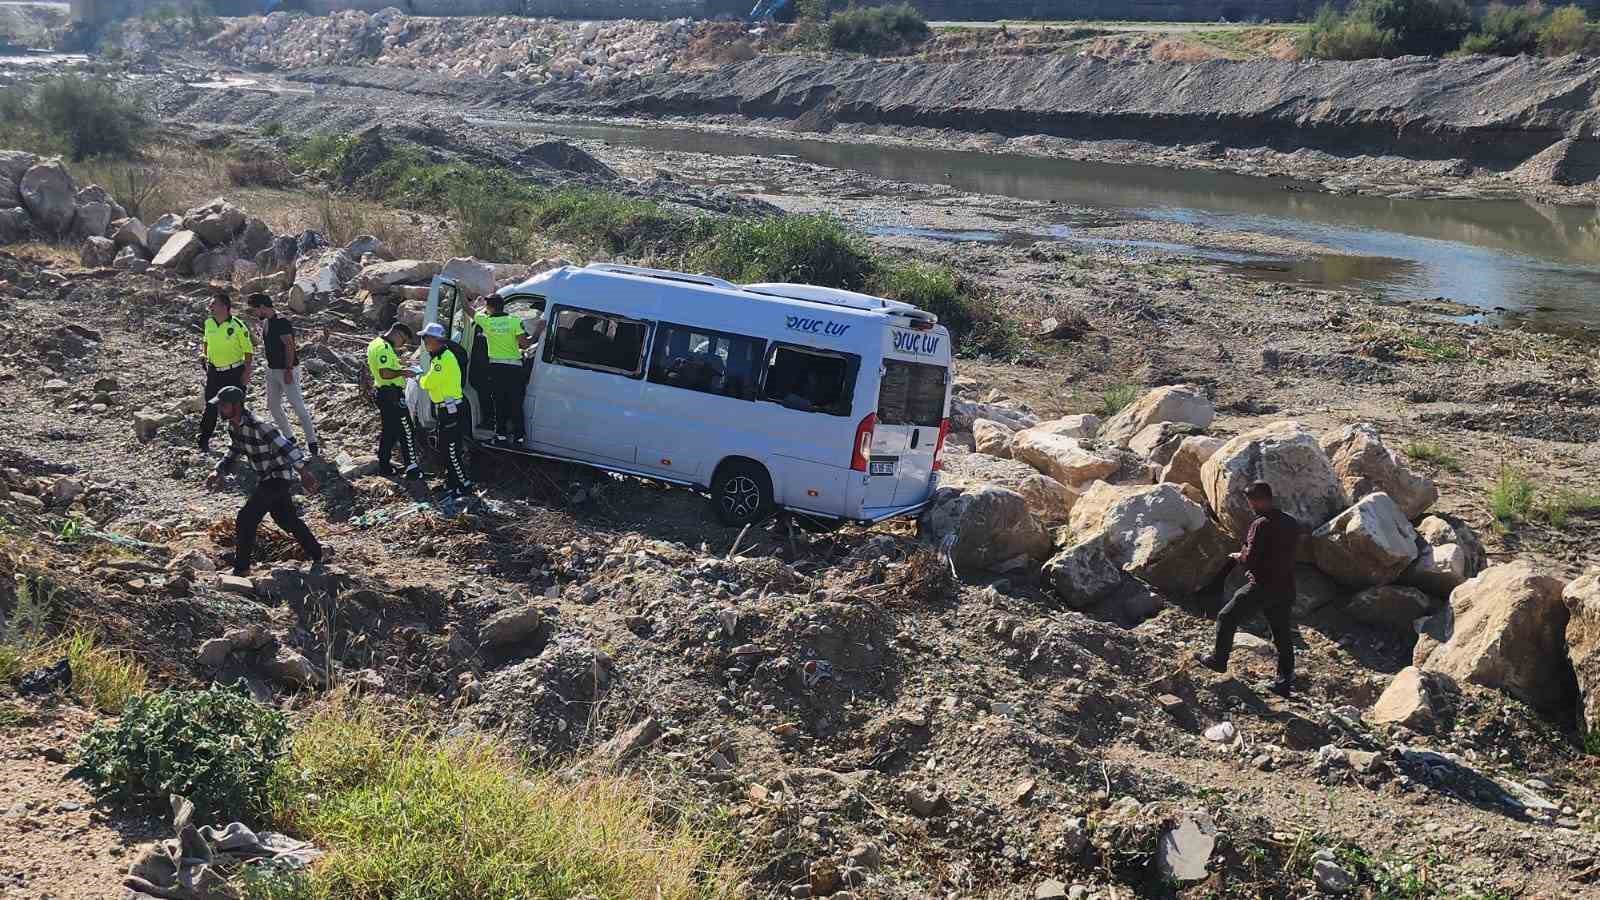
(870, 726)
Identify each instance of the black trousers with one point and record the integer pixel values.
(216, 381)
(452, 430)
(396, 429)
(505, 389)
(274, 497)
(1277, 606)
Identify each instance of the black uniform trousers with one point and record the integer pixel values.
(274, 497)
(506, 384)
(216, 381)
(452, 431)
(396, 429)
(1277, 605)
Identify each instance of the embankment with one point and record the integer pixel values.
(1491, 111)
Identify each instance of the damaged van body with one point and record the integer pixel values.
(769, 397)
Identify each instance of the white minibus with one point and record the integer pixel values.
(770, 397)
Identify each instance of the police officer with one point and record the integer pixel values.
(507, 338)
(227, 352)
(389, 381)
(442, 380)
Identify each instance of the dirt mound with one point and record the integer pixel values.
(563, 157)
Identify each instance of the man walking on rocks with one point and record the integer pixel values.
(276, 460)
(1268, 559)
(389, 385)
(283, 375)
(225, 349)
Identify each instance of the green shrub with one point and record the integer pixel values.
(1505, 31)
(489, 225)
(215, 746)
(1565, 31)
(78, 116)
(878, 30)
(610, 224)
(1433, 454)
(1387, 28)
(323, 152)
(808, 249)
(404, 814)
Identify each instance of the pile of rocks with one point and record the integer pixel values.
(532, 51)
(1147, 505)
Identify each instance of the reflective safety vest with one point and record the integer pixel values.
(442, 380)
(380, 356)
(227, 344)
(501, 332)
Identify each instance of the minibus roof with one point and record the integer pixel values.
(792, 293)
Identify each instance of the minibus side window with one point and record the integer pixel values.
(811, 380)
(912, 394)
(599, 341)
(711, 362)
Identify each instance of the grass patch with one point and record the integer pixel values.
(1428, 348)
(1557, 510)
(1434, 455)
(1116, 398)
(1511, 497)
(405, 815)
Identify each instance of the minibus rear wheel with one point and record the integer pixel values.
(741, 493)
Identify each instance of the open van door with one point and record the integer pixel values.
(913, 404)
(444, 297)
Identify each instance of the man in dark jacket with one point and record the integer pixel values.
(1268, 559)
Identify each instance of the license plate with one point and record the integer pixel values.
(882, 465)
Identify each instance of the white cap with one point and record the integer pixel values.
(434, 330)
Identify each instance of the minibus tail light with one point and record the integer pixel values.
(938, 449)
(862, 449)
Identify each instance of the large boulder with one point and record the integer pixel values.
(1504, 629)
(130, 259)
(1177, 403)
(1284, 455)
(1158, 442)
(255, 237)
(379, 277)
(216, 223)
(1437, 570)
(1067, 460)
(1391, 608)
(157, 235)
(1369, 544)
(1582, 599)
(97, 252)
(964, 412)
(47, 193)
(1050, 500)
(474, 276)
(1153, 533)
(1184, 467)
(130, 233)
(178, 252)
(1365, 466)
(92, 220)
(991, 437)
(1084, 426)
(983, 527)
(1084, 574)
(1414, 699)
(13, 164)
(327, 273)
(15, 223)
(1439, 530)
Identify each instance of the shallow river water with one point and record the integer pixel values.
(1538, 260)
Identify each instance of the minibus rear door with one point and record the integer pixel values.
(911, 403)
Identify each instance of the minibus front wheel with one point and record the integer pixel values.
(741, 493)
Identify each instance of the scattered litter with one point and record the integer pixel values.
(1221, 733)
(46, 680)
(815, 672)
(198, 862)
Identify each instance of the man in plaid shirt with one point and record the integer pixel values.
(276, 460)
